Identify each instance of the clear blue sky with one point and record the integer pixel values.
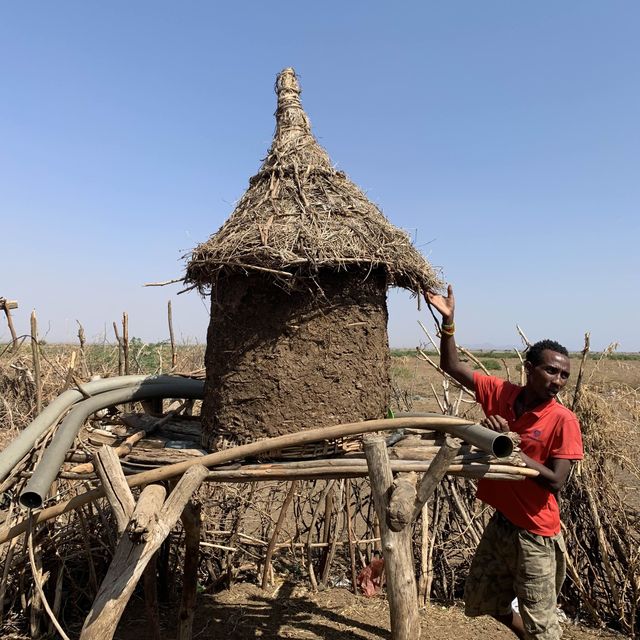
(504, 136)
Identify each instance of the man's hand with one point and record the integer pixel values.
(495, 423)
(445, 305)
(449, 361)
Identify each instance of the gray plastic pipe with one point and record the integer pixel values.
(498, 444)
(45, 473)
(20, 446)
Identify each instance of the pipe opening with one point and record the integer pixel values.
(31, 500)
(502, 446)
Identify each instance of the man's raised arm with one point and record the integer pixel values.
(449, 361)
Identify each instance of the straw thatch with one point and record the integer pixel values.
(301, 215)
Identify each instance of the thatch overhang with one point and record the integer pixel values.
(300, 216)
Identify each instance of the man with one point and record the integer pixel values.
(521, 553)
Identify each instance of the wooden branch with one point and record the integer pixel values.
(578, 389)
(36, 570)
(350, 534)
(115, 486)
(6, 306)
(333, 539)
(146, 513)
(174, 357)
(312, 574)
(121, 451)
(436, 472)
(525, 340)
(192, 523)
(35, 350)
(425, 565)
(164, 283)
(403, 498)
(396, 546)
(443, 373)
(125, 341)
(523, 375)
(131, 558)
(463, 511)
(274, 536)
(119, 341)
(473, 359)
(152, 610)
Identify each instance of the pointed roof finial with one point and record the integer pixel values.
(291, 120)
(293, 142)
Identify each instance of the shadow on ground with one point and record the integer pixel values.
(291, 611)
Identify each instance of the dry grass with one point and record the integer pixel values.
(301, 215)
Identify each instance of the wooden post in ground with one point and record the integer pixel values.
(6, 306)
(119, 341)
(174, 356)
(274, 536)
(350, 534)
(192, 522)
(396, 547)
(35, 350)
(397, 506)
(109, 470)
(149, 525)
(125, 342)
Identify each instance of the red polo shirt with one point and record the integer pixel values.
(550, 431)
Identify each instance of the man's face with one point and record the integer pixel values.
(548, 378)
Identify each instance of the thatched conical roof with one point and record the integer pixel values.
(300, 215)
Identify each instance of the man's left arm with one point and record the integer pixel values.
(555, 471)
(553, 474)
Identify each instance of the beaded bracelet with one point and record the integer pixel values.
(448, 329)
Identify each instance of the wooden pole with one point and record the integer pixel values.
(396, 547)
(125, 341)
(402, 501)
(350, 534)
(174, 356)
(119, 341)
(274, 536)
(192, 523)
(578, 388)
(326, 534)
(123, 504)
(35, 350)
(437, 470)
(149, 526)
(115, 486)
(425, 567)
(83, 342)
(333, 539)
(151, 609)
(6, 306)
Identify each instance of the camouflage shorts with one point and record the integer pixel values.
(512, 562)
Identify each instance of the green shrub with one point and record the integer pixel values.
(490, 364)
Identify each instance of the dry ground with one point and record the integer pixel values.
(291, 611)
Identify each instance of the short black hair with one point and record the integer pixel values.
(534, 352)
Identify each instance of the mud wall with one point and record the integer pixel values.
(278, 362)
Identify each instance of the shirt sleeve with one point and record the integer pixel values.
(567, 441)
(487, 391)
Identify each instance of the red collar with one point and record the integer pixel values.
(538, 411)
